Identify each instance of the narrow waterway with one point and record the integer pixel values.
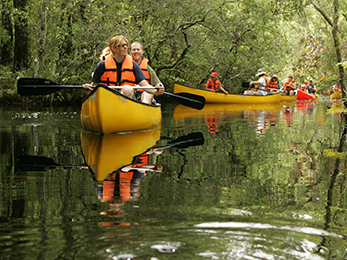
(225, 182)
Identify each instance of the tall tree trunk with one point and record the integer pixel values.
(21, 37)
(6, 46)
(337, 43)
(38, 60)
(66, 48)
(336, 36)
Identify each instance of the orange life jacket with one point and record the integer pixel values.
(144, 67)
(110, 75)
(337, 88)
(272, 85)
(267, 84)
(289, 85)
(214, 85)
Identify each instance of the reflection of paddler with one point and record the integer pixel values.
(182, 112)
(124, 184)
(212, 121)
(107, 153)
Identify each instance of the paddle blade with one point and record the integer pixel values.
(36, 87)
(245, 84)
(29, 163)
(189, 100)
(192, 139)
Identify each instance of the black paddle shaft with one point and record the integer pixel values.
(39, 87)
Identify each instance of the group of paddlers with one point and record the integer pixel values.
(265, 85)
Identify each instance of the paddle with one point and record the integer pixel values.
(39, 87)
(34, 163)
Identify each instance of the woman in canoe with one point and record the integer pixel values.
(303, 86)
(118, 69)
(213, 84)
(336, 87)
(274, 84)
(289, 86)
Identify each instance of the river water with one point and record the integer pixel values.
(226, 182)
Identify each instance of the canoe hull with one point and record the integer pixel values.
(105, 154)
(107, 111)
(215, 97)
(302, 95)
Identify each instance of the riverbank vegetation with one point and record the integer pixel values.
(184, 41)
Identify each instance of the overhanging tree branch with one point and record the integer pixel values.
(321, 11)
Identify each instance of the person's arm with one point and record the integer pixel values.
(141, 80)
(220, 86)
(154, 80)
(207, 85)
(99, 70)
(155, 90)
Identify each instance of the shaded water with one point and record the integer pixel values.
(227, 182)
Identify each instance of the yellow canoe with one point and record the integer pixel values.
(336, 95)
(287, 98)
(215, 97)
(108, 111)
(105, 154)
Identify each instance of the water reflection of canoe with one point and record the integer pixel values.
(215, 97)
(302, 95)
(108, 111)
(183, 112)
(336, 95)
(107, 153)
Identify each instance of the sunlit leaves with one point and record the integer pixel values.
(334, 154)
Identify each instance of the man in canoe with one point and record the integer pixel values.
(213, 84)
(118, 69)
(311, 88)
(136, 52)
(260, 85)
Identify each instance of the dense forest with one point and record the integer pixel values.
(184, 40)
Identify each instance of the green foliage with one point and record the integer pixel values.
(184, 41)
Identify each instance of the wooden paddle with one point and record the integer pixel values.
(39, 87)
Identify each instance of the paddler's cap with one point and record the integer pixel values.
(275, 76)
(260, 72)
(214, 74)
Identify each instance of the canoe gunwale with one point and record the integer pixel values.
(218, 97)
(116, 92)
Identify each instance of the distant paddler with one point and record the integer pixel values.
(213, 84)
(260, 85)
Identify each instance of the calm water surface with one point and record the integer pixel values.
(226, 182)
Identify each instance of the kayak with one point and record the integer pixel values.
(302, 95)
(216, 97)
(105, 154)
(108, 111)
(336, 95)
